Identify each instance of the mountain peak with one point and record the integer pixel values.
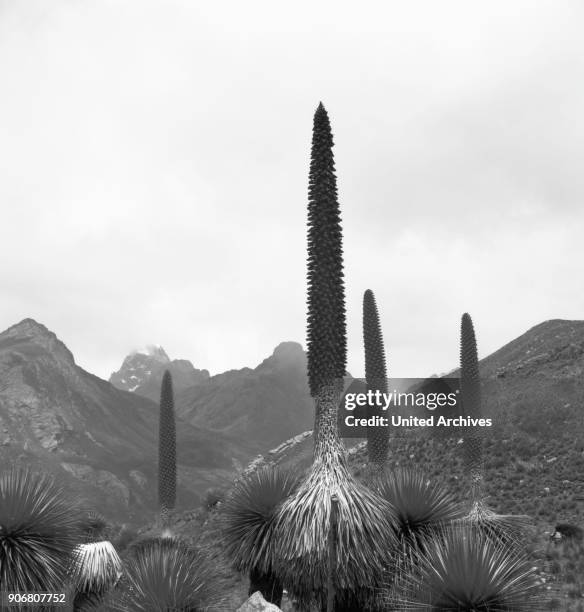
(288, 350)
(155, 351)
(286, 354)
(26, 328)
(29, 329)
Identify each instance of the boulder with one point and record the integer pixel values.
(256, 603)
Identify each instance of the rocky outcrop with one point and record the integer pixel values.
(256, 603)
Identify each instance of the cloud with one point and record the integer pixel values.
(154, 165)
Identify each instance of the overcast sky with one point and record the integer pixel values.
(154, 168)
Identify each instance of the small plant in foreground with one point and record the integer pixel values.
(96, 568)
(166, 574)
(40, 526)
(464, 570)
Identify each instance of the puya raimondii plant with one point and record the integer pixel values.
(364, 530)
(166, 451)
(376, 377)
(248, 520)
(506, 527)
(464, 569)
(40, 528)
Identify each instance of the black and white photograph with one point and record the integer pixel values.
(292, 306)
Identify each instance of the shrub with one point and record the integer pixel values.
(466, 570)
(40, 526)
(166, 574)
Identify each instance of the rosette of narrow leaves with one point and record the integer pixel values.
(166, 450)
(420, 506)
(365, 526)
(464, 570)
(422, 510)
(366, 541)
(166, 574)
(248, 526)
(40, 526)
(96, 568)
(506, 528)
(375, 375)
(95, 527)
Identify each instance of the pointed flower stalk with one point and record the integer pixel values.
(166, 450)
(376, 377)
(470, 386)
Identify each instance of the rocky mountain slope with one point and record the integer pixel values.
(142, 371)
(533, 389)
(264, 405)
(60, 418)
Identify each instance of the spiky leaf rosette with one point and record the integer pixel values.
(40, 526)
(470, 387)
(421, 506)
(166, 449)
(509, 529)
(375, 375)
(248, 516)
(326, 341)
(166, 574)
(95, 527)
(365, 525)
(96, 567)
(464, 570)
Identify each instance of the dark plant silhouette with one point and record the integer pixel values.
(465, 570)
(376, 377)
(248, 526)
(470, 387)
(422, 507)
(166, 450)
(95, 569)
(166, 574)
(40, 526)
(326, 324)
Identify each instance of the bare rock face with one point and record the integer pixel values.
(102, 479)
(256, 603)
(55, 417)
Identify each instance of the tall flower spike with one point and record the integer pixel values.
(326, 325)
(499, 526)
(471, 404)
(376, 376)
(166, 449)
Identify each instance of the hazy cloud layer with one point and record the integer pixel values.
(154, 166)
